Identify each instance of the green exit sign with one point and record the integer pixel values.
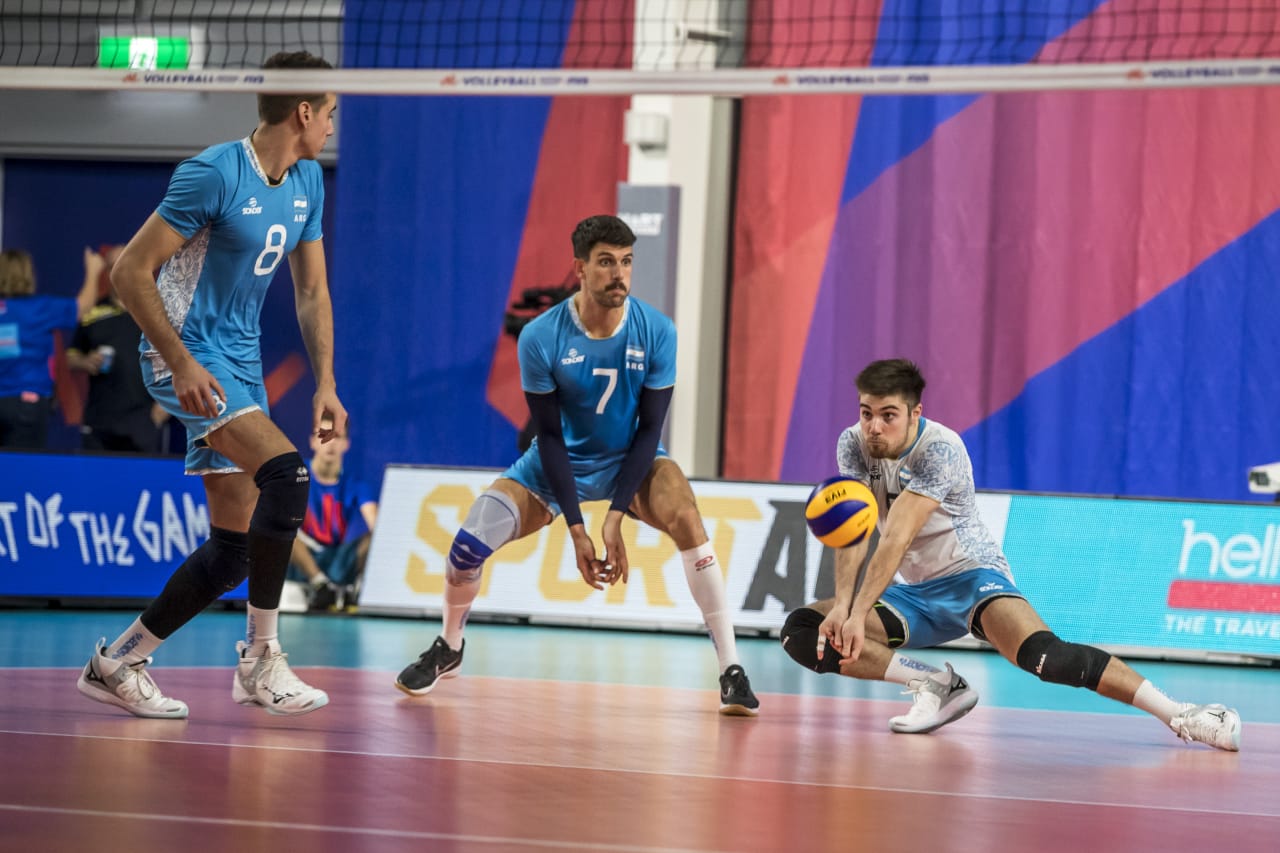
(143, 53)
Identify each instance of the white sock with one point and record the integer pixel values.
(1152, 699)
(903, 669)
(260, 630)
(319, 580)
(702, 571)
(133, 646)
(457, 604)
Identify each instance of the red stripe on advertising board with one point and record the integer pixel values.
(1214, 595)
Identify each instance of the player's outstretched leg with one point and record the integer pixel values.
(116, 673)
(1055, 661)
(492, 521)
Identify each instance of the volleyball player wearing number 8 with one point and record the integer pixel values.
(598, 371)
(955, 579)
(230, 216)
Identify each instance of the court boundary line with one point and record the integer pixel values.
(667, 773)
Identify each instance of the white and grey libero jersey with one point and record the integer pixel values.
(953, 538)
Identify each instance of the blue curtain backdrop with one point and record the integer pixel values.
(434, 193)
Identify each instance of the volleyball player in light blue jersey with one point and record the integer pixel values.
(230, 216)
(238, 228)
(598, 372)
(598, 384)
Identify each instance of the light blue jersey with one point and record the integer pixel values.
(238, 229)
(598, 379)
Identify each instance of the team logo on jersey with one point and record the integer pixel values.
(299, 208)
(574, 357)
(253, 208)
(904, 477)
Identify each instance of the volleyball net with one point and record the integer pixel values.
(720, 47)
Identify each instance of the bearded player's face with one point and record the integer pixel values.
(606, 275)
(888, 425)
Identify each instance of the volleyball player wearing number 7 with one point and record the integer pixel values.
(598, 371)
(230, 216)
(955, 580)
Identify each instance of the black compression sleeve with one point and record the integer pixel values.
(654, 403)
(544, 410)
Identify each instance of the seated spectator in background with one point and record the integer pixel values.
(333, 544)
(27, 324)
(120, 415)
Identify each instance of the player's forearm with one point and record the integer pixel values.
(315, 321)
(880, 569)
(848, 561)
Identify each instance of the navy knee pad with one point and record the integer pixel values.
(284, 485)
(800, 640)
(1075, 665)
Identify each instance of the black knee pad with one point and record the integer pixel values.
(800, 640)
(284, 484)
(1075, 665)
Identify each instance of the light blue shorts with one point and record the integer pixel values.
(595, 486)
(941, 610)
(242, 398)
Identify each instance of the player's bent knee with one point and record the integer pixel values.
(687, 523)
(283, 486)
(1054, 661)
(492, 521)
(799, 637)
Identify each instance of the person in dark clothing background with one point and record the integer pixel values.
(119, 414)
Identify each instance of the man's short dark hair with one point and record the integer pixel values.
(275, 108)
(892, 377)
(609, 230)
